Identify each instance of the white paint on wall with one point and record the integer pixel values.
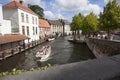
(30, 24)
(5, 25)
(67, 29)
(14, 14)
(1, 15)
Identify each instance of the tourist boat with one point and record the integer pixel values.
(51, 39)
(43, 53)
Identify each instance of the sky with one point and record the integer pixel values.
(66, 9)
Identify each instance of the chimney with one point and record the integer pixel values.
(21, 1)
(29, 5)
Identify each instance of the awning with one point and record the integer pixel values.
(12, 38)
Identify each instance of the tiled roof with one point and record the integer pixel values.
(67, 22)
(43, 23)
(19, 5)
(11, 38)
(58, 22)
(55, 22)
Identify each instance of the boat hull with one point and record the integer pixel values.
(51, 39)
(45, 55)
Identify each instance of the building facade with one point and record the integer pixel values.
(56, 27)
(44, 28)
(5, 25)
(23, 19)
(67, 28)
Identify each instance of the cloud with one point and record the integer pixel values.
(76, 6)
(51, 15)
(55, 9)
(48, 14)
(35, 2)
(32, 1)
(106, 1)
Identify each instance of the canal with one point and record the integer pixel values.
(63, 52)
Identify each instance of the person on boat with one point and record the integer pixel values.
(41, 50)
(47, 49)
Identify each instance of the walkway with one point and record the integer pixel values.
(107, 68)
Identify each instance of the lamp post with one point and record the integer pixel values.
(63, 24)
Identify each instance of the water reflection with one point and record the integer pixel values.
(62, 52)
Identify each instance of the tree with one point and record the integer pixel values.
(38, 10)
(110, 17)
(77, 23)
(90, 23)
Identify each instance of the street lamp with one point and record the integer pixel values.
(63, 24)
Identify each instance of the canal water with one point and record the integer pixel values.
(63, 52)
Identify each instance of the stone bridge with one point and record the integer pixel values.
(106, 68)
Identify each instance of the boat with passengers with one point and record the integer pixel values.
(43, 53)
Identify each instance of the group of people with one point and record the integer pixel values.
(99, 36)
(44, 49)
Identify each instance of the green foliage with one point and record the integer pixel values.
(110, 17)
(14, 71)
(32, 69)
(87, 24)
(77, 22)
(38, 10)
(90, 23)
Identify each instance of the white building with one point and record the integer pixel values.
(56, 27)
(67, 27)
(23, 19)
(5, 25)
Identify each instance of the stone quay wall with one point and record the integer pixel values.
(102, 47)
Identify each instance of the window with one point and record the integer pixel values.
(33, 20)
(36, 20)
(33, 31)
(36, 30)
(27, 19)
(23, 30)
(28, 30)
(22, 17)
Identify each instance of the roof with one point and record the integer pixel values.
(67, 22)
(19, 5)
(58, 22)
(12, 38)
(44, 23)
(55, 22)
